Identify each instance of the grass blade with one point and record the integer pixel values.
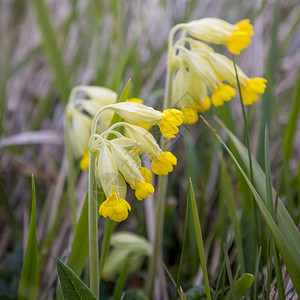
(227, 195)
(29, 281)
(229, 273)
(183, 247)
(271, 208)
(281, 234)
(52, 49)
(292, 124)
(199, 239)
(284, 221)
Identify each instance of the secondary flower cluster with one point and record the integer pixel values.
(203, 76)
(84, 102)
(118, 159)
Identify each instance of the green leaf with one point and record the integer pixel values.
(243, 284)
(283, 233)
(71, 285)
(80, 247)
(284, 221)
(29, 281)
(196, 293)
(199, 239)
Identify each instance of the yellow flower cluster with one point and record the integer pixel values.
(202, 76)
(118, 155)
(84, 102)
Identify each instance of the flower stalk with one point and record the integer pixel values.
(160, 205)
(93, 228)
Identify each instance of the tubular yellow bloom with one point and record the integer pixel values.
(80, 129)
(205, 105)
(163, 164)
(136, 112)
(224, 93)
(240, 38)
(251, 90)
(143, 188)
(224, 67)
(80, 114)
(236, 37)
(189, 94)
(144, 125)
(167, 120)
(147, 174)
(190, 115)
(171, 119)
(115, 207)
(85, 161)
(147, 142)
(127, 164)
(107, 174)
(199, 66)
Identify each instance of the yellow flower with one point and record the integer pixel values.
(163, 164)
(240, 38)
(143, 188)
(107, 174)
(204, 106)
(80, 129)
(127, 164)
(148, 145)
(136, 112)
(115, 207)
(85, 161)
(144, 125)
(167, 120)
(236, 37)
(224, 92)
(80, 113)
(147, 174)
(171, 119)
(251, 90)
(189, 94)
(190, 115)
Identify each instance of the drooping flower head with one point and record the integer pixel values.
(202, 76)
(80, 113)
(118, 159)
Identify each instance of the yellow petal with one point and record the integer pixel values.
(115, 208)
(171, 119)
(163, 164)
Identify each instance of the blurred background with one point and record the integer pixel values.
(48, 47)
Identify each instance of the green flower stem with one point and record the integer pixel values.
(71, 173)
(93, 228)
(108, 230)
(160, 205)
(247, 143)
